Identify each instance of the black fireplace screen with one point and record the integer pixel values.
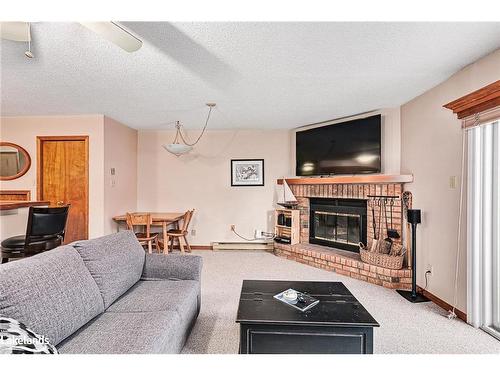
(337, 227)
(338, 223)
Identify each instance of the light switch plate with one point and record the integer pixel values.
(453, 182)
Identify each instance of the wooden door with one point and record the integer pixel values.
(63, 178)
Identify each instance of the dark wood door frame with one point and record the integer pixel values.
(39, 177)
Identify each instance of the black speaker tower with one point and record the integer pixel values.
(414, 218)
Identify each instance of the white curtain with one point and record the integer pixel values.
(483, 227)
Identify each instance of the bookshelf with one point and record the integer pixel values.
(291, 231)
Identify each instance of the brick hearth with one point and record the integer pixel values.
(345, 263)
(340, 261)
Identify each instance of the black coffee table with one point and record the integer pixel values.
(338, 324)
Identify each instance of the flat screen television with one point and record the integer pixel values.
(351, 147)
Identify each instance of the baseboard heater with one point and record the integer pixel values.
(242, 245)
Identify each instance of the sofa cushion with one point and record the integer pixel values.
(114, 261)
(173, 267)
(128, 333)
(53, 293)
(164, 295)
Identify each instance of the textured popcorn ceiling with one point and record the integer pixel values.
(262, 75)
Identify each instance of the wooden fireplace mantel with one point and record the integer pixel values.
(354, 179)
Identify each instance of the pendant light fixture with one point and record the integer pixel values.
(176, 147)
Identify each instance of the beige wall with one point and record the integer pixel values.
(202, 180)
(391, 138)
(430, 149)
(120, 153)
(110, 144)
(24, 130)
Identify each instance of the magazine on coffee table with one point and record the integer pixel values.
(301, 301)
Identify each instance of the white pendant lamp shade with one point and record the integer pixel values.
(177, 148)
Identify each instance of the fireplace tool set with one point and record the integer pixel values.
(387, 252)
(387, 245)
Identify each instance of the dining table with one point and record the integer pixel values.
(163, 219)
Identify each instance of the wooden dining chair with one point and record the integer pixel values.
(180, 234)
(147, 238)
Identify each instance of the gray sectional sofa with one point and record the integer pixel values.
(105, 296)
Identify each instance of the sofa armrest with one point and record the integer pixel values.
(172, 267)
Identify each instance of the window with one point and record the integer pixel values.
(483, 227)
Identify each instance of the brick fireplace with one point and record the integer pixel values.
(348, 218)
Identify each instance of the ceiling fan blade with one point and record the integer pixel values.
(115, 34)
(16, 31)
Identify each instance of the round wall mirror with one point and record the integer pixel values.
(14, 161)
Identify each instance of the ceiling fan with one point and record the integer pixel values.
(112, 31)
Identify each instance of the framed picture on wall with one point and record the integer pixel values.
(247, 172)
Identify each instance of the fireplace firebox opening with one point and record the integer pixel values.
(338, 223)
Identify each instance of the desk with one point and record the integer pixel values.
(162, 219)
(12, 205)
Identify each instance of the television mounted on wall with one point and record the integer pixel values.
(351, 147)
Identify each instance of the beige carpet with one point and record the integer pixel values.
(404, 327)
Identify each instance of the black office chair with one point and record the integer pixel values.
(46, 229)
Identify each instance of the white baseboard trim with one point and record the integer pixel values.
(242, 245)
